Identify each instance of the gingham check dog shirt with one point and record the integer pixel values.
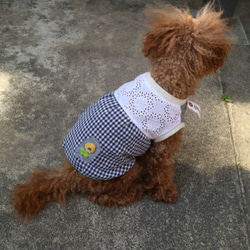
(119, 126)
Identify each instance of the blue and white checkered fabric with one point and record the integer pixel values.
(115, 137)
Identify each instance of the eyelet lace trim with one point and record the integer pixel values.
(153, 114)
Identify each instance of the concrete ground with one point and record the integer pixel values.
(57, 57)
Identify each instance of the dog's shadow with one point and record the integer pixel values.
(207, 189)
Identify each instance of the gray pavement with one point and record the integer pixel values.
(57, 57)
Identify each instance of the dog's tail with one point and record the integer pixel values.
(43, 186)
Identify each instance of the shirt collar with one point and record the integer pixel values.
(163, 92)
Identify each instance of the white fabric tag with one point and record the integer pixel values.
(195, 107)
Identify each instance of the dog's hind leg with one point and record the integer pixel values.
(118, 192)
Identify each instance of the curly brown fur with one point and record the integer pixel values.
(182, 50)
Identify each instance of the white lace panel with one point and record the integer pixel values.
(151, 113)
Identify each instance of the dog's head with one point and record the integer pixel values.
(198, 44)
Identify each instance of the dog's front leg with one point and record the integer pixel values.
(160, 185)
(158, 169)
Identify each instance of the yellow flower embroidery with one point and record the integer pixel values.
(90, 147)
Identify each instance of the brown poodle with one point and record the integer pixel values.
(182, 50)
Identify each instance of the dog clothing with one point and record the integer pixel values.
(119, 126)
(153, 110)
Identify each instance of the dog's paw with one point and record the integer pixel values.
(169, 195)
(106, 200)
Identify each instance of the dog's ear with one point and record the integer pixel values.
(210, 42)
